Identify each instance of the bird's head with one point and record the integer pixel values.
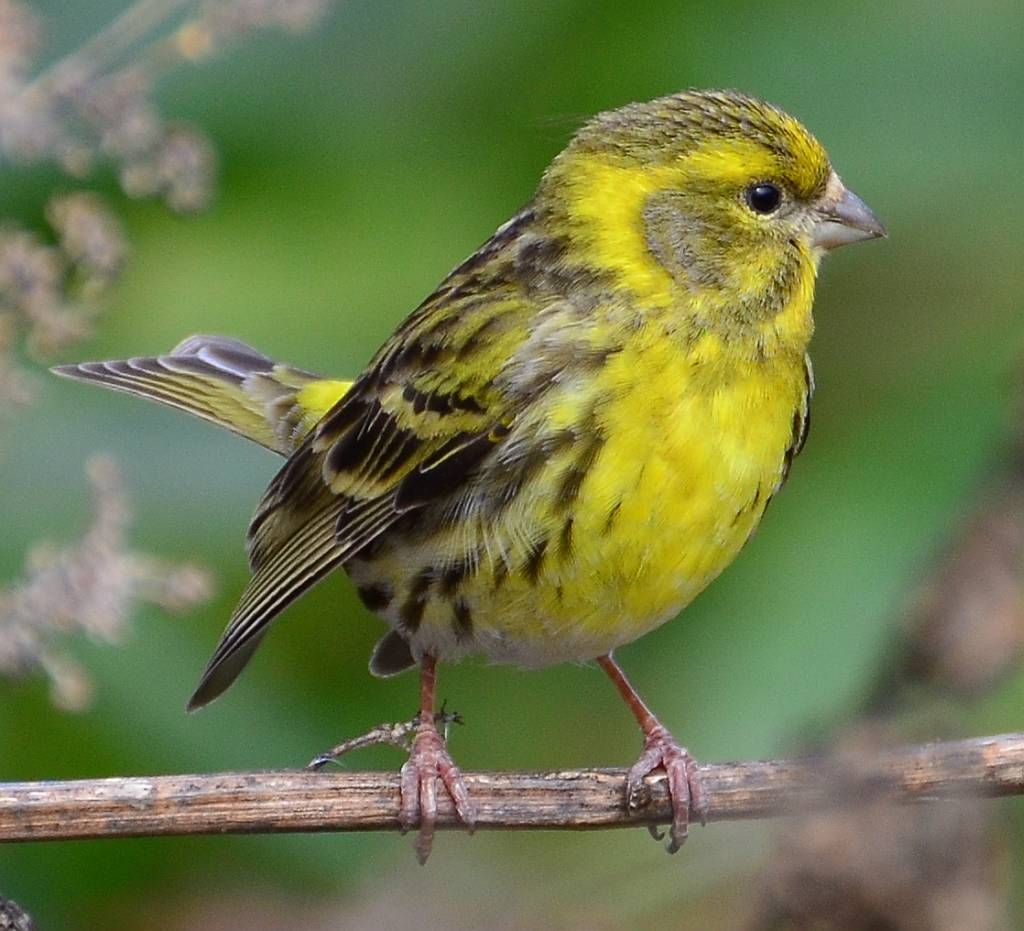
(714, 189)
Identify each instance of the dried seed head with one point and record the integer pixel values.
(185, 168)
(89, 233)
(92, 587)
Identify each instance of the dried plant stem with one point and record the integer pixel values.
(107, 47)
(288, 801)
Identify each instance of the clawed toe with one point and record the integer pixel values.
(688, 798)
(428, 763)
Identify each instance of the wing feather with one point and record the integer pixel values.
(431, 408)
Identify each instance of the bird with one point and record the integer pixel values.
(566, 441)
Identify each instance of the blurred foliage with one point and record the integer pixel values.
(359, 164)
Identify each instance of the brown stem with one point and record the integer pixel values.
(136, 23)
(299, 800)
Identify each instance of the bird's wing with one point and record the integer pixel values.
(227, 383)
(425, 414)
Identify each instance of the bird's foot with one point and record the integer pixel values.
(428, 763)
(684, 788)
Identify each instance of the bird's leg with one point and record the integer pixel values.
(660, 750)
(429, 762)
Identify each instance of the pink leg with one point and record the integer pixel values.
(428, 762)
(660, 750)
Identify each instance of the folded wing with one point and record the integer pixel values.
(411, 430)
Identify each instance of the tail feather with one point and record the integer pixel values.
(227, 383)
(231, 384)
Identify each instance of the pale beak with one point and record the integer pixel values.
(844, 218)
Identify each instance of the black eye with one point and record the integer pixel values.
(764, 197)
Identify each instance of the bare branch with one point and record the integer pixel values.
(289, 801)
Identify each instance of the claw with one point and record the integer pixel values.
(660, 752)
(684, 787)
(429, 761)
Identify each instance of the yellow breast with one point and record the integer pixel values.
(693, 445)
(691, 461)
(693, 454)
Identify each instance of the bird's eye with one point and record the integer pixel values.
(764, 197)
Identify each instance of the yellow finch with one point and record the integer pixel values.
(566, 441)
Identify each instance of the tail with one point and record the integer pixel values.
(227, 383)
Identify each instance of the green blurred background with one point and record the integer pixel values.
(359, 164)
